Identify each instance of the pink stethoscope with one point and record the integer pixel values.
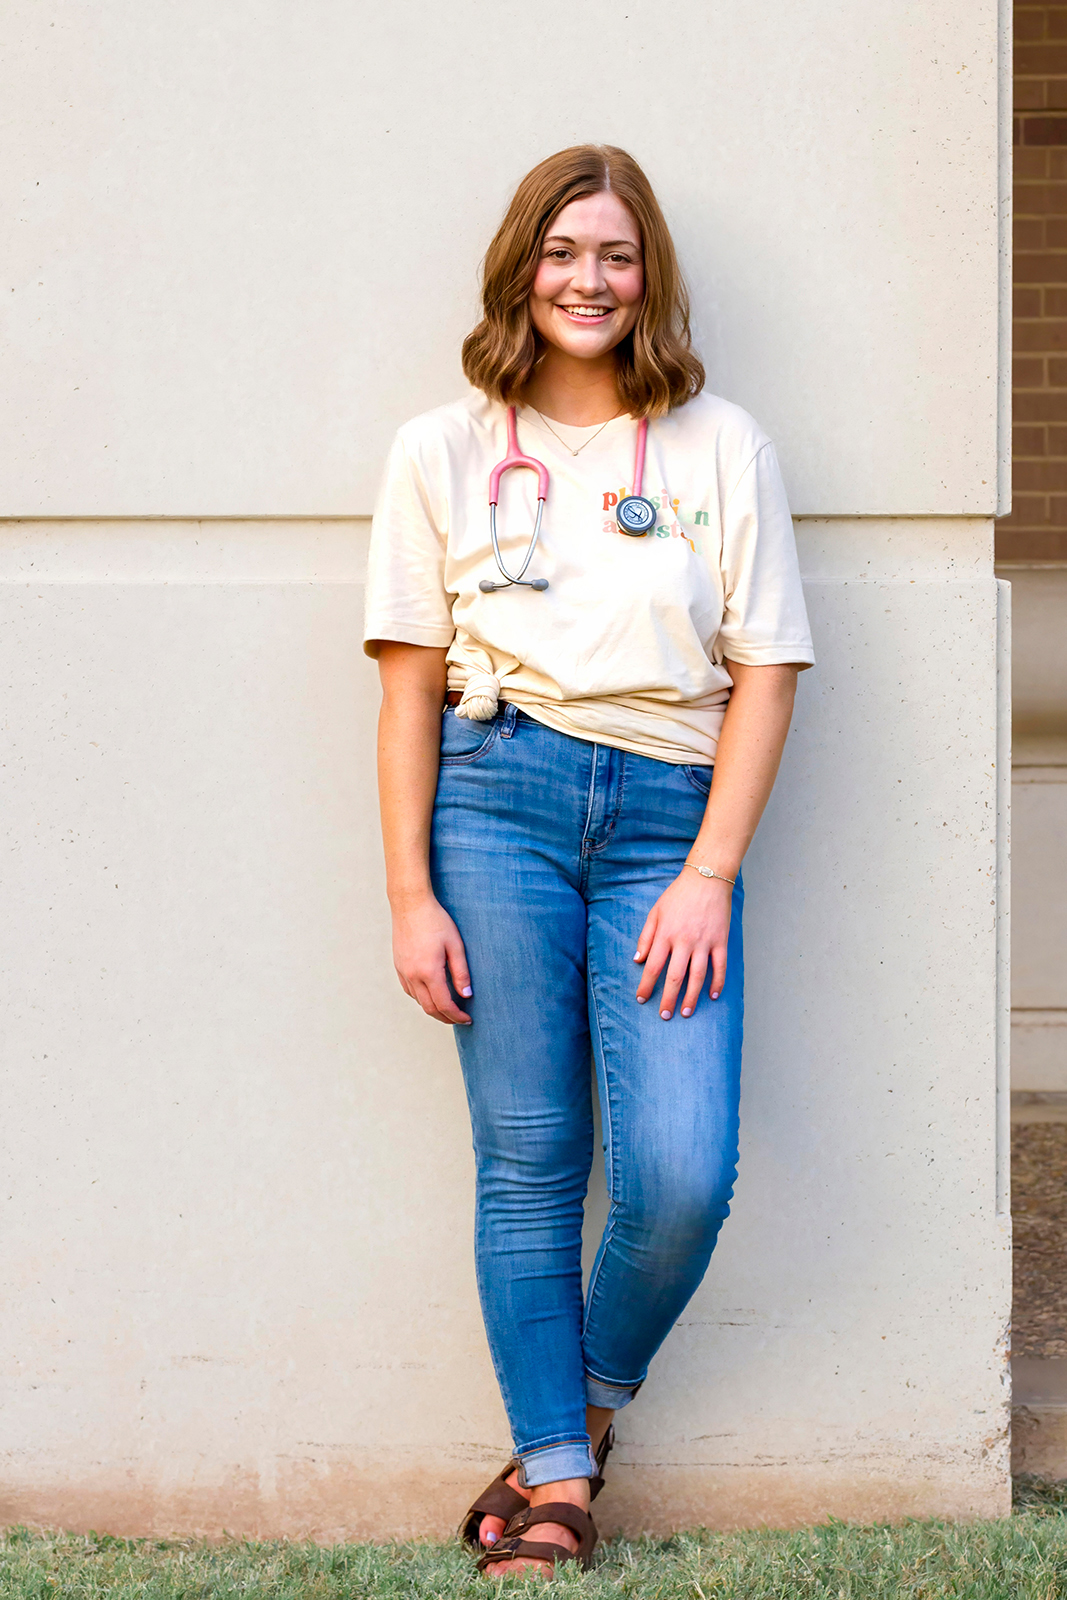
(634, 514)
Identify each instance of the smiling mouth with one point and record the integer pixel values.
(588, 313)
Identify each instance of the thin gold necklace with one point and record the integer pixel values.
(584, 442)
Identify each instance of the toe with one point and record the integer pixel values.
(521, 1568)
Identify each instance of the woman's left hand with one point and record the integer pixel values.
(686, 931)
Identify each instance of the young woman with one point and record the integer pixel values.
(553, 710)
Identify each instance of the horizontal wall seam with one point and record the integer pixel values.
(365, 516)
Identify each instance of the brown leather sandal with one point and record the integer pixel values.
(513, 1546)
(501, 1500)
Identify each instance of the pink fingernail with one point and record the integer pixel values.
(665, 1015)
(640, 999)
(490, 1538)
(637, 957)
(715, 994)
(466, 993)
(687, 1011)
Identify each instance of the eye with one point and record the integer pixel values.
(617, 259)
(559, 254)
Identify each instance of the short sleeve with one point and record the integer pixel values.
(765, 620)
(406, 597)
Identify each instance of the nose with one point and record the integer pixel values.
(588, 274)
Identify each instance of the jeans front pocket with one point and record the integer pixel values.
(700, 777)
(464, 741)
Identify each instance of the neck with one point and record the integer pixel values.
(574, 391)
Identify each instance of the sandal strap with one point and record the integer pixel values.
(604, 1450)
(498, 1500)
(511, 1549)
(561, 1511)
(565, 1515)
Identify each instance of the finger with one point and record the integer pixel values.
(427, 997)
(654, 964)
(405, 985)
(648, 934)
(718, 970)
(457, 966)
(447, 1008)
(698, 966)
(673, 982)
(421, 993)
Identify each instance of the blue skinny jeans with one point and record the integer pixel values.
(548, 852)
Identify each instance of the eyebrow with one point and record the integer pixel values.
(607, 244)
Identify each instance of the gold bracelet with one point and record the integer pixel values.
(706, 872)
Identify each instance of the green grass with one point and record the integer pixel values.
(1023, 1558)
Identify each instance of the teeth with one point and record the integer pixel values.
(587, 311)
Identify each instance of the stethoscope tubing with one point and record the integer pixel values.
(644, 512)
(535, 583)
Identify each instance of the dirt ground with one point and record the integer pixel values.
(1039, 1211)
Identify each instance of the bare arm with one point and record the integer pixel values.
(688, 927)
(426, 942)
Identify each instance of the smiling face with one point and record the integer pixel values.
(590, 279)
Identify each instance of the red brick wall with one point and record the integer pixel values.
(1037, 527)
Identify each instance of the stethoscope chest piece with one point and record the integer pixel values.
(635, 515)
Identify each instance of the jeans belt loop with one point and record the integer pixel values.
(511, 711)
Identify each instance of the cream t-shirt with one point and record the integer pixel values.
(626, 647)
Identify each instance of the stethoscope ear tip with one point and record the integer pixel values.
(538, 583)
(488, 587)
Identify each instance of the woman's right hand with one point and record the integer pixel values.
(426, 942)
(426, 949)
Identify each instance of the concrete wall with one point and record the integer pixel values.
(244, 238)
(238, 1169)
(238, 1289)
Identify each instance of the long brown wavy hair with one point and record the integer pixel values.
(657, 368)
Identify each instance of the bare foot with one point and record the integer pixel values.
(575, 1492)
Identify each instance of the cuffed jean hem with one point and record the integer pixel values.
(556, 1462)
(609, 1396)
